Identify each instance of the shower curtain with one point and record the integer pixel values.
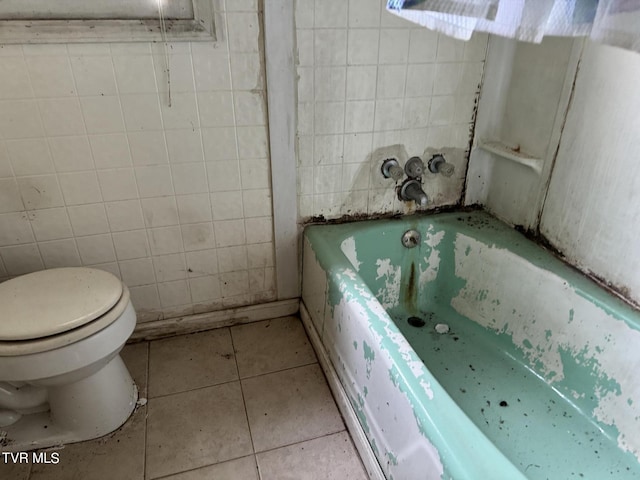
(614, 22)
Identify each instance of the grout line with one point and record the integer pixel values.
(244, 401)
(146, 416)
(344, 429)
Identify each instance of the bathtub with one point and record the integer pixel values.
(477, 354)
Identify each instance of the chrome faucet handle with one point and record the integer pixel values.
(392, 169)
(438, 164)
(414, 168)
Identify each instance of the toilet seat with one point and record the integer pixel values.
(54, 301)
(66, 288)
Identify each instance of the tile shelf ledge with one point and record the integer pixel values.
(504, 151)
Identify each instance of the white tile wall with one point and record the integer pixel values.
(368, 80)
(96, 169)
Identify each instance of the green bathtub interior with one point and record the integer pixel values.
(538, 425)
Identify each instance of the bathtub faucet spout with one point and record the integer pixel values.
(411, 189)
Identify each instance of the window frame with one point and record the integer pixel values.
(200, 28)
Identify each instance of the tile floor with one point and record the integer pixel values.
(248, 402)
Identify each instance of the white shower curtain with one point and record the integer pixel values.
(615, 22)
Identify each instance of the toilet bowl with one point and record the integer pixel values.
(61, 376)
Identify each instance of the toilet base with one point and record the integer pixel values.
(89, 408)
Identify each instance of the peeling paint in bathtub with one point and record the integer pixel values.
(348, 247)
(389, 295)
(429, 271)
(600, 361)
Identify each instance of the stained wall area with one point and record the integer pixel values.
(572, 105)
(96, 169)
(372, 86)
(592, 211)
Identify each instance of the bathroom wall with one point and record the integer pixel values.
(97, 169)
(522, 107)
(592, 211)
(584, 128)
(371, 86)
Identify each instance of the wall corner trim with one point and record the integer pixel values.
(279, 32)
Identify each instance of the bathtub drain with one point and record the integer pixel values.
(416, 322)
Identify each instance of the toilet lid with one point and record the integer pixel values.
(53, 301)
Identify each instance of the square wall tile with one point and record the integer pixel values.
(71, 153)
(118, 184)
(15, 229)
(88, 219)
(124, 215)
(141, 112)
(189, 178)
(30, 156)
(60, 253)
(10, 200)
(170, 267)
(134, 73)
(14, 78)
(51, 76)
(194, 208)
(184, 145)
(96, 249)
(131, 244)
(136, 273)
(148, 148)
(21, 259)
(53, 110)
(165, 240)
(50, 224)
(80, 188)
(94, 75)
(330, 14)
(198, 236)
(205, 289)
(110, 150)
(20, 119)
(154, 181)
(219, 144)
(183, 112)
(202, 262)
(227, 205)
(102, 114)
(188, 362)
(216, 109)
(40, 191)
(160, 211)
(232, 259)
(330, 47)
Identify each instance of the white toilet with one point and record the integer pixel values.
(61, 376)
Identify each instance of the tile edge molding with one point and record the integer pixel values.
(369, 460)
(207, 321)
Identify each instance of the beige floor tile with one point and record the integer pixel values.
(328, 458)
(13, 471)
(272, 345)
(192, 361)
(290, 406)
(117, 455)
(136, 357)
(192, 429)
(239, 469)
